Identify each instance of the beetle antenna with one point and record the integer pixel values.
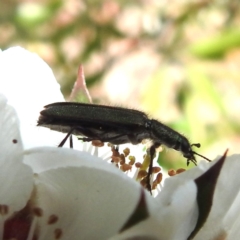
(198, 145)
(201, 156)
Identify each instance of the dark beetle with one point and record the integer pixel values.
(115, 125)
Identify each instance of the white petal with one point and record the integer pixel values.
(15, 177)
(92, 199)
(47, 158)
(173, 219)
(29, 84)
(223, 221)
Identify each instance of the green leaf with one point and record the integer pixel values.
(216, 46)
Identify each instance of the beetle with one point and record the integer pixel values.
(116, 125)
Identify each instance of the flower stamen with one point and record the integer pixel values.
(58, 233)
(52, 219)
(4, 209)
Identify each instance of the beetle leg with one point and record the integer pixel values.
(67, 136)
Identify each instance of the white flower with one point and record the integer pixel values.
(56, 193)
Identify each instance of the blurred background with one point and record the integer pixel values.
(176, 60)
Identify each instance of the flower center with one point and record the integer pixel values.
(29, 224)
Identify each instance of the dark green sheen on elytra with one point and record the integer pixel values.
(91, 112)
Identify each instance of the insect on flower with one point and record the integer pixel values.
(115, 125)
